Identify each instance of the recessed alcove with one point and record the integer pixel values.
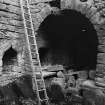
(71, 40)
(9, 59)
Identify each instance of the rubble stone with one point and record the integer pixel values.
(60, 75)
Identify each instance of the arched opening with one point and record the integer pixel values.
(9, 59)
(71, 40)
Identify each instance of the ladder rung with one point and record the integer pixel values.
(34, 55)
(42, 90)
(26, 9)
(31, 39)
(28, 24)
(29, 31)
(27, 20)
(26, 16)
(35, 63)
(38, 69)
(41, 87)
(34, 52)
(38, 80)
(30, 35)
(38, 77)
(33, 48)
(38, 73)
(43, 99)
(32, 44)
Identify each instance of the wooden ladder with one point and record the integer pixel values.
(37, 78)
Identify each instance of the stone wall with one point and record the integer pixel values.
(12, 31)
(94, 10)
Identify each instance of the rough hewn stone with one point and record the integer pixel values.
(13, 9)
(101, 48)
(45, 12)
(10, 15)
(101, 40)
(10, 21)
(101, 58)
(97, 19)
(12, 2)
(11, 28)
(100, 69)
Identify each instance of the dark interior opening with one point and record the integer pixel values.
(71, 40)
(10, 57)
(55, 3)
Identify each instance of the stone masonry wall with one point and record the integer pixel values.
(12, 32)
(11, 24)
(94, 10)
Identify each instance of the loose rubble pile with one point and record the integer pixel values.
(75, 88)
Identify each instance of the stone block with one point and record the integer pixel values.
(100, 30)
(100, 68)
(97, 19)
(11, 28)
(101, 58)
(3, 6)
(101, 40)
(12, 35)
(16, 22)
(45, 12)
(10, 21)
(14, 9)
(10, 15)
(67, 4)
(12, 2)
(35, 9)
(101, 48)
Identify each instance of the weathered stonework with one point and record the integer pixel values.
(94, 10)
(11, 34)
(11, 25)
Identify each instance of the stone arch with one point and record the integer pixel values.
(91, 11)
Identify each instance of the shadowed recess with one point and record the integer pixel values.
(71, 40)
(9, 57)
